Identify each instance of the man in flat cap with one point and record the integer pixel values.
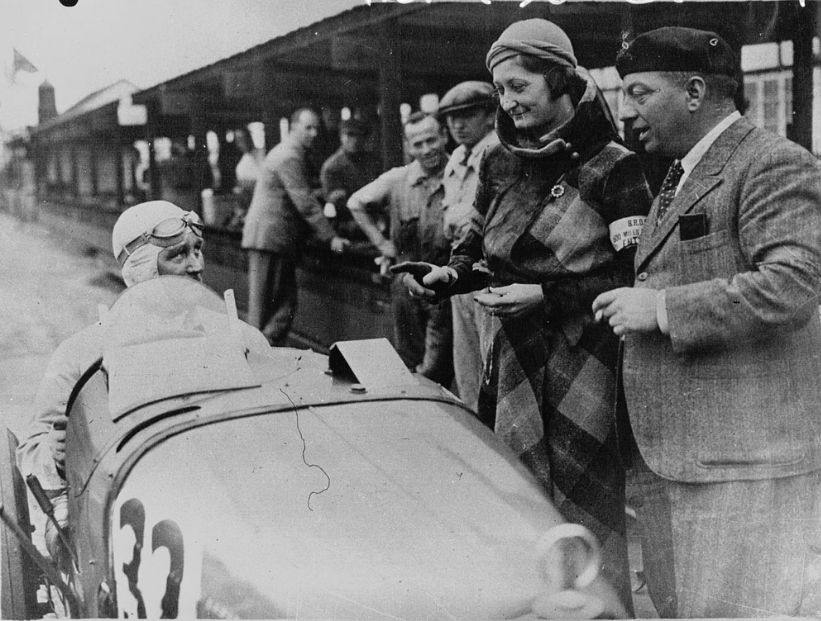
(469, 111)
(350, 167)
(722, 343)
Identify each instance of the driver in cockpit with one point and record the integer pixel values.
(149, 240)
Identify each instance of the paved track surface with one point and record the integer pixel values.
(49, 288)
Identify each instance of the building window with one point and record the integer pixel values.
(788, 111)
(753, 102)
(771, 101)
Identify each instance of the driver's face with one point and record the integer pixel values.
(182, 259)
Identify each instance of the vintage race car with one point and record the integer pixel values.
(206, 480)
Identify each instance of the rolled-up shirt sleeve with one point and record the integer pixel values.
(375, 195)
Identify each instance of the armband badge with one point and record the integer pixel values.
(625, 232)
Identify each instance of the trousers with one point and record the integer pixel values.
(468, 347)
(730, 549)
(272, 294)
(423, 334)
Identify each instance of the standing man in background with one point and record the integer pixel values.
(469, 111)
(722, 343)
(423, 330)
(349, 168)
(283, 213)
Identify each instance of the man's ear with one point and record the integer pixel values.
(696, 89)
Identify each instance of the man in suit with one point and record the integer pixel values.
(722, 343)
(284, 211)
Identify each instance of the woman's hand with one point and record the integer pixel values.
(510, 300)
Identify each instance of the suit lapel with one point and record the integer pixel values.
(703, 178)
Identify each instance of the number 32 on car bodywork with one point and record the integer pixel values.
(156, 572)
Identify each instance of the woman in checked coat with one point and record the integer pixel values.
(558, 212)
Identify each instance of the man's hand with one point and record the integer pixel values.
(56, 441)
(387, 249)
(329, 210)
(339, 244)
(424, 280)
(510, 300)
(627, 309)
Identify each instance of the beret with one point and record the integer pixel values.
(354, 126)
(675, 48)
(471, 94)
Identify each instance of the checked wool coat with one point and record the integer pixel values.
(555, 216)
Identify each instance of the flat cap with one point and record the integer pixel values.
(674, 48)
(354, 126)
(470, 94)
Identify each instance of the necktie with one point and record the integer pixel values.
(465, 157)
(668, 189)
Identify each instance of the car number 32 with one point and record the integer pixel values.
(149, 561)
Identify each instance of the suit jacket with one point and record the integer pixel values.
(284, 209)
(734, 391)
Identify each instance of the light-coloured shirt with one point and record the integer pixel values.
(414, 199)
(248, 167)
(460, 181)
(694, 155)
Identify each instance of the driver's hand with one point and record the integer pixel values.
(56, 441)
(424, 280)
(54, 544)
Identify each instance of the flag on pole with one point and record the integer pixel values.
(21, 63)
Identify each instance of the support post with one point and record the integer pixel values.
(390, 90)
(799, 119)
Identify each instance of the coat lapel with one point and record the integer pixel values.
(703, 178)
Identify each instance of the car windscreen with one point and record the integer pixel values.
(168, 337)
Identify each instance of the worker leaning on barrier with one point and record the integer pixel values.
(149, 240)
(423, 331)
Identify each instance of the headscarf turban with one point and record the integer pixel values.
(534, 37)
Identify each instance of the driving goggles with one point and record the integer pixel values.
(164, 234)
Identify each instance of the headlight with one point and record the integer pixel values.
(568, 558)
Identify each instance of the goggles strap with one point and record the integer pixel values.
(195, 226)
